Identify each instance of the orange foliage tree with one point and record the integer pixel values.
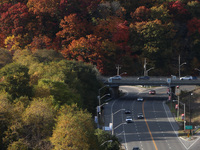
(141, 14)
(40, 42)
(73, 28)
(86, 50)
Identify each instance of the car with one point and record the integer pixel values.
(136, 148)
(127, 112)
(117, 77)
(186, 78)
(129, 119)
(152, 92)
(140, 116)
(140, 99)
(144, 78)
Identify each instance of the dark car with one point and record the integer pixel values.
(136, 148)
(144, 78)
(127, 112)
(152, 92)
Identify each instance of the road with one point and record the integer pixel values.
(158, 129)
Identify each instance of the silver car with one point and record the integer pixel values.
(186, 78)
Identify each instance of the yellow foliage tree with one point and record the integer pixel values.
(74, 130)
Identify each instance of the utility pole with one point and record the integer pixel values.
(118, 67)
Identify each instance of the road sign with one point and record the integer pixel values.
(188, 127)
(168, 80)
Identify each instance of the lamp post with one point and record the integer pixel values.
(179, 66)
(109, 141)
(113, 119)
(99, 108)
(190, 109)
(149, 70)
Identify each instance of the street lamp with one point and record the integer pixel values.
(109, 141)
(179, 66)
(190, 109)
(99, 108)
(102, 88)
(149, 70)
(113, 119)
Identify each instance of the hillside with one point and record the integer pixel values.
(107, 33)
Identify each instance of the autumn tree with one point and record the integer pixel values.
(178, 10)
(74, 130)
(73, 28)
(14, 20)
(40, 42)
(141, 14)
(161, 13)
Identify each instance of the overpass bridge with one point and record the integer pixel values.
(153, 81)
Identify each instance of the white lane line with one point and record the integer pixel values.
(172, 126)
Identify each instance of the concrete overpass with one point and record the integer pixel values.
(155, 81)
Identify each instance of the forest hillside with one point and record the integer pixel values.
(107, 33)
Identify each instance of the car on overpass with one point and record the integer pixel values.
(117, 77)
(144, 78)
(186, 78)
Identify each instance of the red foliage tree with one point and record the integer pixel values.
(178, 10)
(193, 26)
(14, 20)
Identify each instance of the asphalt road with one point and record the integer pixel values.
(158, 129)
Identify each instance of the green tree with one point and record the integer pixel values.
(16, 80)
(5, 117)
(74, 130)
(5, 57)
(103, 138)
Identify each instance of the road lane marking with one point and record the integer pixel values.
(148, 127)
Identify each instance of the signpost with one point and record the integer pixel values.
(188, 127)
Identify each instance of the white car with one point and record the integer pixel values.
(186, 78)
(140, 99)
(140, 116)
(129, 119)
